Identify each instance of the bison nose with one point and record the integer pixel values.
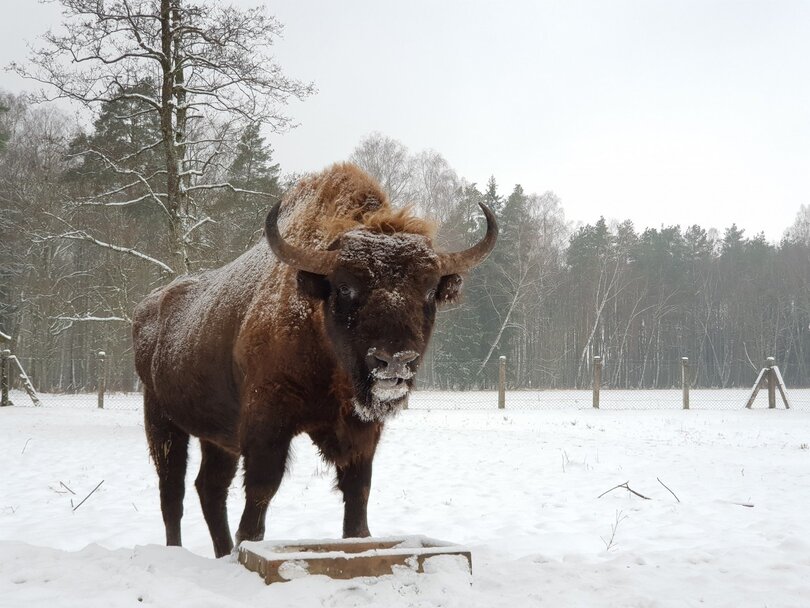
(393, 366)
(406, 356)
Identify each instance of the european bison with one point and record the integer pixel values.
(317, 331)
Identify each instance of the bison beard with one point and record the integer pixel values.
(318, 329)
(388, 395)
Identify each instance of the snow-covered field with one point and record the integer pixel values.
(520, 488)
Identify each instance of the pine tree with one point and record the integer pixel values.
(252, 170)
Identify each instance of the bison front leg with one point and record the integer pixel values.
(354, 480)
(350, 445)
(265, 462)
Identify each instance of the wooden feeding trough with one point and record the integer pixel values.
(278, 561)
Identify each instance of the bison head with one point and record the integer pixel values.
(379, 293)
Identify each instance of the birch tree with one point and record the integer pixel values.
(387, 160)
(202, 70)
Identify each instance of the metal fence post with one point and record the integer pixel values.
(685, 381)
(501, 382)
(597, 379)
(771, 383)
(4, 363)
(102, 378)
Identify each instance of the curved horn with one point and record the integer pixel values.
(462, 261)
(309, 260)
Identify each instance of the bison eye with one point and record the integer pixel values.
(345, 291)
(431, 295)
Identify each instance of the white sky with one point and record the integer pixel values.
(660, 112)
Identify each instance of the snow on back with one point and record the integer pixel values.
(213, 301)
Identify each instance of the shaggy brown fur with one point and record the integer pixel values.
(246, 356)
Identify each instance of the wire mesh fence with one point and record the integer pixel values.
(495, 390)
(565, 399)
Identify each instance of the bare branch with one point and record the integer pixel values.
(626, 487)
(670, 491)
(230, 187)
(83, 236)
(205, 220)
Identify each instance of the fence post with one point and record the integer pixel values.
(4, 364)
(102, 378)
(771, 383)
(501, 382)
(597, 379)
(685, 381)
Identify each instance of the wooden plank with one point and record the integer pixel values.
(342, 559)
(26, 381)
(780, 384)
(755, 390)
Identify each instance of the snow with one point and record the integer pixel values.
(381, 255)
(519, 488)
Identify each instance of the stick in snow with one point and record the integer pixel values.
(670, 491)
(25, 446)
(739, 504)
(67, 488)
(89, 495)
(626, 487)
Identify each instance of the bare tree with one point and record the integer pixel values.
(799, 232)
(387, 160)
(435, 184)
(203, 73)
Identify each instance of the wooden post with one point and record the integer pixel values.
(102, 379)
(771, 383)
(685, 381)
(4, 364)
(597, 379)
(780, 384)
(501, 382)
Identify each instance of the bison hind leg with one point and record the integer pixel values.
(168, 446)
(217, 470)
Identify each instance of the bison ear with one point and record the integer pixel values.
(313, 285)
(449, 289)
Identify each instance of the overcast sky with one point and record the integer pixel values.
(661, 112)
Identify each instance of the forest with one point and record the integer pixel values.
(550, 297)
(163, 165)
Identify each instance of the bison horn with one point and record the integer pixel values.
(309, 260)
(462, 261)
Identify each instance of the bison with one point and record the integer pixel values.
(317, 329)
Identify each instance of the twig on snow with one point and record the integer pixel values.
(750, 505)
(610, 543)
(626, 487)
(25, 446)
(67, 488)
(88, 496)
(670, 491)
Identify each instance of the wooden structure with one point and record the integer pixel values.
(5, 401)
(6, 361)
(597, 380)
(279, 561)
(102, 378)
(501, 382)
(685, 382)
(771, 378)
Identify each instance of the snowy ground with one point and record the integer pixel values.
(519, 488)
